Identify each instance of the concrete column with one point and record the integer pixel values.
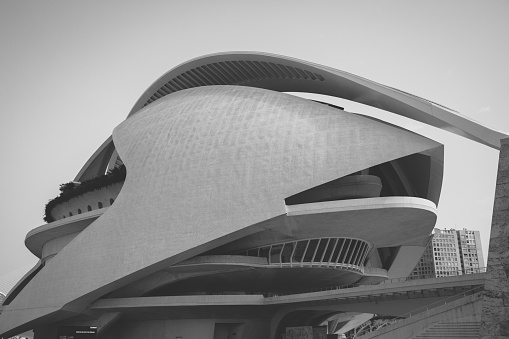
(495, 310)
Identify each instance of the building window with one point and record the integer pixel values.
(89, 208)
(100, 204)
(79, 211)
(111, 201)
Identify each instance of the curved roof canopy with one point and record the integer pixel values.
(285, 74)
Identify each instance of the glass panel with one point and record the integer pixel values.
(275, 254)
(346, 247)
(311, 250)
(299, 251)
(351, 252)
(321, 250)
(329, 250)
(362, 252)
(287, 252)
(358, 253)
(337, 250)
(365, 254)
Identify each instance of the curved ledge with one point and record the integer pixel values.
(233, 260)
(36, 238)
(259, 275)
(223, 259)
(361, 204)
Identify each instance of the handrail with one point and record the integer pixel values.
(458, 273)
(415, 311)
(387, 281)
(284, 253)
(440, 302)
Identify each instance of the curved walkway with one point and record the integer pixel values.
(395, 290)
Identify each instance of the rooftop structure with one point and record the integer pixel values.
(234, 190)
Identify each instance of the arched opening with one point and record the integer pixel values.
(100, 204)
(89, 208)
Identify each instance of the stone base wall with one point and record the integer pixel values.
(495, 312)
(189, 328)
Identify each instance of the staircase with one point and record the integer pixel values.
(457, 319)
(451, 330)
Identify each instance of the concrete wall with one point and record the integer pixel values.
(190, 329)
(495, 313)
(53, 246)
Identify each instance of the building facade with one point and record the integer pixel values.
(470, 248)
(451, 252)
(220, 190)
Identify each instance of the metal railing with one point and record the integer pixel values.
(361, 330)
(361, 283)
(341, 253)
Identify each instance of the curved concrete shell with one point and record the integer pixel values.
(210, 170)
(284, 74)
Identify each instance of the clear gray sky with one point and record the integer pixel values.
(71, 71)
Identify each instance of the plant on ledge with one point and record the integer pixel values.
(73, 189)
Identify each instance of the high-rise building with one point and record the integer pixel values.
(446, 256)
(469, 243)
(450, 252)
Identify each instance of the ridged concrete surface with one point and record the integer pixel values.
(202, 166)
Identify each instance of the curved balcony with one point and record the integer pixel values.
(86, 196)
(87, 202)
(340, 253)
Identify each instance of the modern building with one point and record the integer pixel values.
(450, 252)
(220, 190)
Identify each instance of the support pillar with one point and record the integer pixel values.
(495, 309)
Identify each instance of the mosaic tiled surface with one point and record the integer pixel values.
(202, 166)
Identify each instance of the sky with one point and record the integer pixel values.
(70, 71)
